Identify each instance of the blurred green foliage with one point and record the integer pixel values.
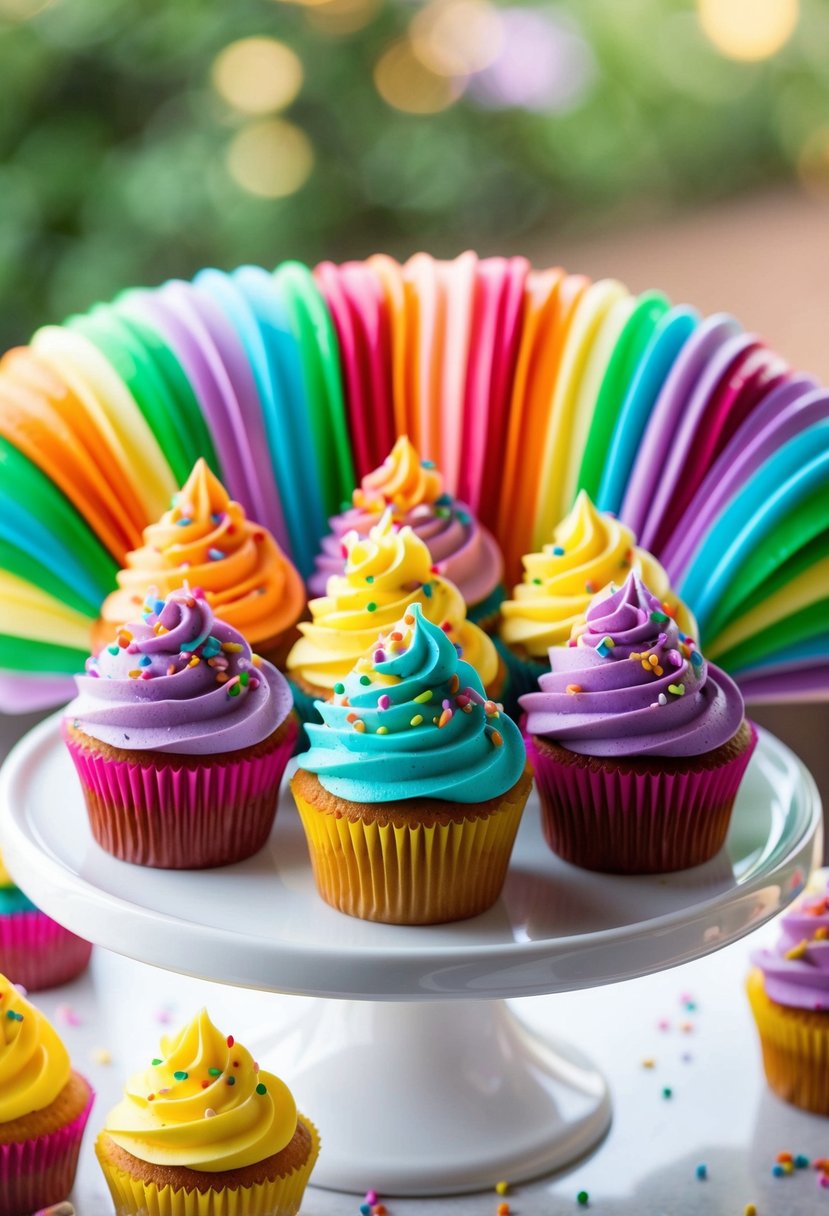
(114, 140)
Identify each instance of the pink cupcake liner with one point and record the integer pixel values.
(181, 816)
(38, 953)
(39, 1172)
(624, 821)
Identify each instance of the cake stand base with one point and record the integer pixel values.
(423, 1098)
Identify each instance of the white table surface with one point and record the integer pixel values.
(720, 1113)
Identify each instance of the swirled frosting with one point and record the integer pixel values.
(34, 1064)
(385, 572)
(203, 1104)
(206, 540)
(589, 549)
(460, 548)
(796, 971)
(630, 683)
(413, 721)
(181, 681)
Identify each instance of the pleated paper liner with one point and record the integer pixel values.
(280, 1196)
(40, 1171)
(181, 812)
(795, 1044)
(638, 816)
(423, 862)
(38, 953)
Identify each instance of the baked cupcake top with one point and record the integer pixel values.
(460, 548)
(413, 721)
(203, 1103)
(796, 971)
(589, 550)
(385, 572)
(179, 680)
(631, 683)
(206, 540)
(34, 1064)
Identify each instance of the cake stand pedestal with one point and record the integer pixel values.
(418, 1075)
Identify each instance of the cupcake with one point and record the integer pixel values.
(203, 1131)
(461, 549)
(638, 743)
(180, 736)
(413, 789)
(35, 950)
(384, 574)
(788, 989)
(589, 549)
(206, 541)
(44, 1107)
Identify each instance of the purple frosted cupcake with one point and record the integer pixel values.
(180, 736)
(638, 744)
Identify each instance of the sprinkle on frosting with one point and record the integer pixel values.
(616, 688)
(589, 550)
(796, 971)
(412, 489)
(404, 748)
(34, 1064)
(163, 1116)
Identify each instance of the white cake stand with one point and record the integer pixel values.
(419, 1076)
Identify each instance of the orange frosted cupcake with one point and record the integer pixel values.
(206, 541)
(44, 1107)
(204, 1130)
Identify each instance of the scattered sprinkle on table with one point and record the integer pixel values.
(102, 1055)
(667, 1092)
(583, 1199)
(701, 1171)
(750, 1209)
(501, 1188)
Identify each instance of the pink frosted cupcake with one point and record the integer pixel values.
(460, 548)
(35, 950)
(638, 744)
(180, 736)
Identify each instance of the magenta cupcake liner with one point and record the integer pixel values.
(38, 953)
(39, 1172)
(183, 815)
(634, 820)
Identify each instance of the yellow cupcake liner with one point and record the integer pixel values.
(795, 1045)
(279, 1197)
(405, 871)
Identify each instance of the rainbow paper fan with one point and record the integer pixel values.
(524, 386)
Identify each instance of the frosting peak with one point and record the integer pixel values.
(34, 1064)
(179, 680)
(796, 971)
(206, 540)
(631, 683)
(459, 547)
(589, 550)
(411, 721)
(385, 572)
(204, 1104)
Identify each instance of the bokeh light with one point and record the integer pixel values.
(545, 64)
(813, 164)
(342, 17)
(257, 75)
(457, 37)
(749, 29)
(22, 10)
(271, 158)
(405, 82)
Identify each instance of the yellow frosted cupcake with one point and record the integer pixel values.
(789, 994)
(203, 1131)
(413, 789)
(44, 1107)
(206, 541)
(589, 550)
(385, 573)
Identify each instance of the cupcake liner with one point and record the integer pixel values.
(637, 818)
(487, 612)
(39, 1172)
(306, 711)
(182, 816)
(279, 1197)
(38, 953)
(795, 1046)
(522, 676)
(405, 870)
